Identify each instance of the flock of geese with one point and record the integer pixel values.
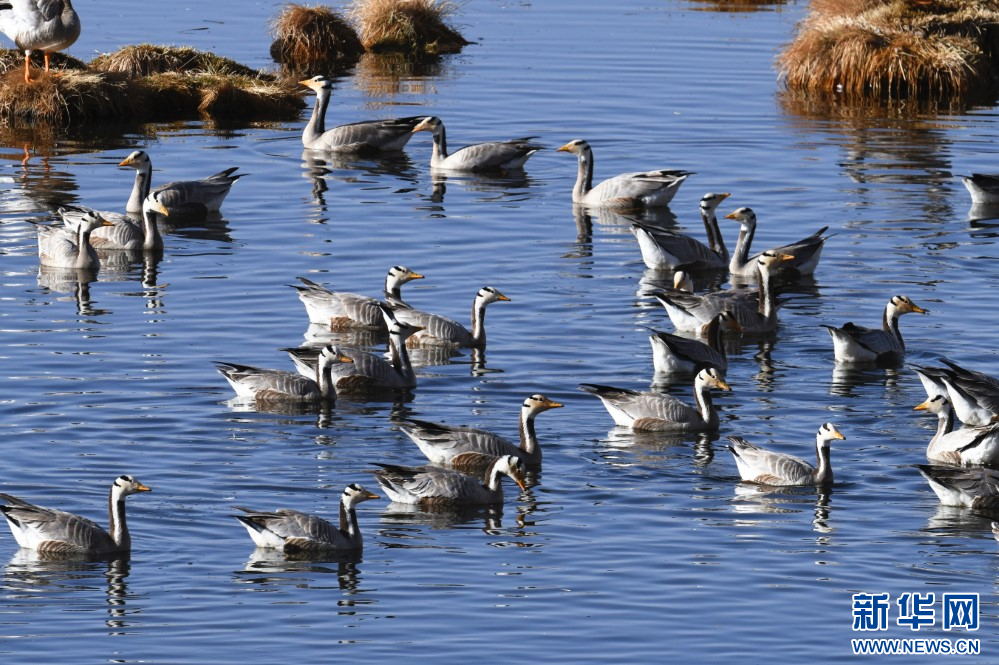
(465, 465)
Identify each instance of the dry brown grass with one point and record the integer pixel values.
(313, 39)
(414, 26)
(14, 59)
(146, 82)
(895, 49)
(148, 59)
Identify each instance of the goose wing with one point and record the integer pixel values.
(668, 250)
(493, 155)
(645, 410)
(338, 309)
(204, 195)
(53, 531)
(686, 351)
(441, 443)
(294, 529)
(429, 485)
(257, 383)
(368, 135)
(648, 187)
(437, 329)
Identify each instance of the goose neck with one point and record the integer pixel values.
(317, 123)
(117, 525)
(151, 237)
(705, 404)
(743, 244)
(889, 323)
(528, 436)
(716, 241)
(823, 453)
(348, 522)
(439, 153)
(584, 176)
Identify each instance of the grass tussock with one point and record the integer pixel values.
(145, 83)
(14, 59)
(314, 39)
(895, 49)
(413, 26)
(149, 59)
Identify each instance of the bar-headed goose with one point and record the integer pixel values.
(478, 157)
(39, 25)
(971, 487)
(341, 310)
(301, 533)
(183, 198)
(983, 187)
(125, 232)
(658, 412)
(973, 394)
(664, 249)
(69, 246)
(450, 445)
(439, 487)
(965, 445)
(274, 385)
(645, 189)
(437, 330)
(58, 533)
(673, 354)
(882, 346)
(754, 309)
(806, 251)
(766, 467)
(365, 137)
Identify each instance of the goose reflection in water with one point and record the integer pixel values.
(71, 581)
(323, 168)
(74, 282)
(755, 499)
(846, 379)
(272, 569)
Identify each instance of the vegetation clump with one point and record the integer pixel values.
(414, 26)
(314, 39)
(917, 49)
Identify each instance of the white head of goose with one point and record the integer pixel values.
(658, 412)
(39, 25)
(301, 533)
(450, 445)
(754, 309)
(439, 487)
(69, 246)
(441, 331)
(665, 249)
(183, 198)
(365, 137)
(341, 310)
(57, 533)
(766, 467)
(478, 157)
(883, 347)
(274, 385)
(645, 189)
(806, 252)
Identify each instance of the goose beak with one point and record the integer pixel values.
(370, 495)
(423, 126)
(128, 161)
(921, 407)
(565, 148)
(519, 477)
(142, 488)
(919, 310)
(503, 298)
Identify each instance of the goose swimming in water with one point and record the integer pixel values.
(39, 25)
(884, 346)
(69, 246)
(766, 467)
(963, 446)
(300, 533)
(265, 386)
(341, 310)
(664, 249)
(437, 330)
(438, 487)
(478, 157)
(658, 412)
(366, 137)
(55, 532)
(124, 232)
(673, 354)
(183, 198)
(806, 252)
(645, 189)
(983, 187)
(973, 487)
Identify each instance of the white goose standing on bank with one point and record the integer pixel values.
(766, 467)
(294, 532)
(39, 25)
(365, 137)
(754, 309)
(645, 189)
(478, 157)
(882, 346)
(449, 445)
(265, 386)
(806, 251)
(124, 233)
(673, 354)
(69, 246)
(183, 198)
(658, 412)
(58, 533)
(437, 330)
(341, 310)
(963, 446)
(664, 249)
(438, 487)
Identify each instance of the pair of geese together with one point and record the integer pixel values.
(457, 452)
(86, 230)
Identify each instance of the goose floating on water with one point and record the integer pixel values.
(645, 189)
(963, 446)
(673, 354)
(664, 249)
(69, 246)
(368, 136)
(437, 330)
(983, 187)
(806, 252)
(658, 412)
(766, 467)
(341, 310)
(478, 157)
(183, 198)
(39, 25)
(274, 385)
(300, 533)
(438, 487)
(58, 533)
(970, 487)
(450, 445)
(884, 346)
(124, 233)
